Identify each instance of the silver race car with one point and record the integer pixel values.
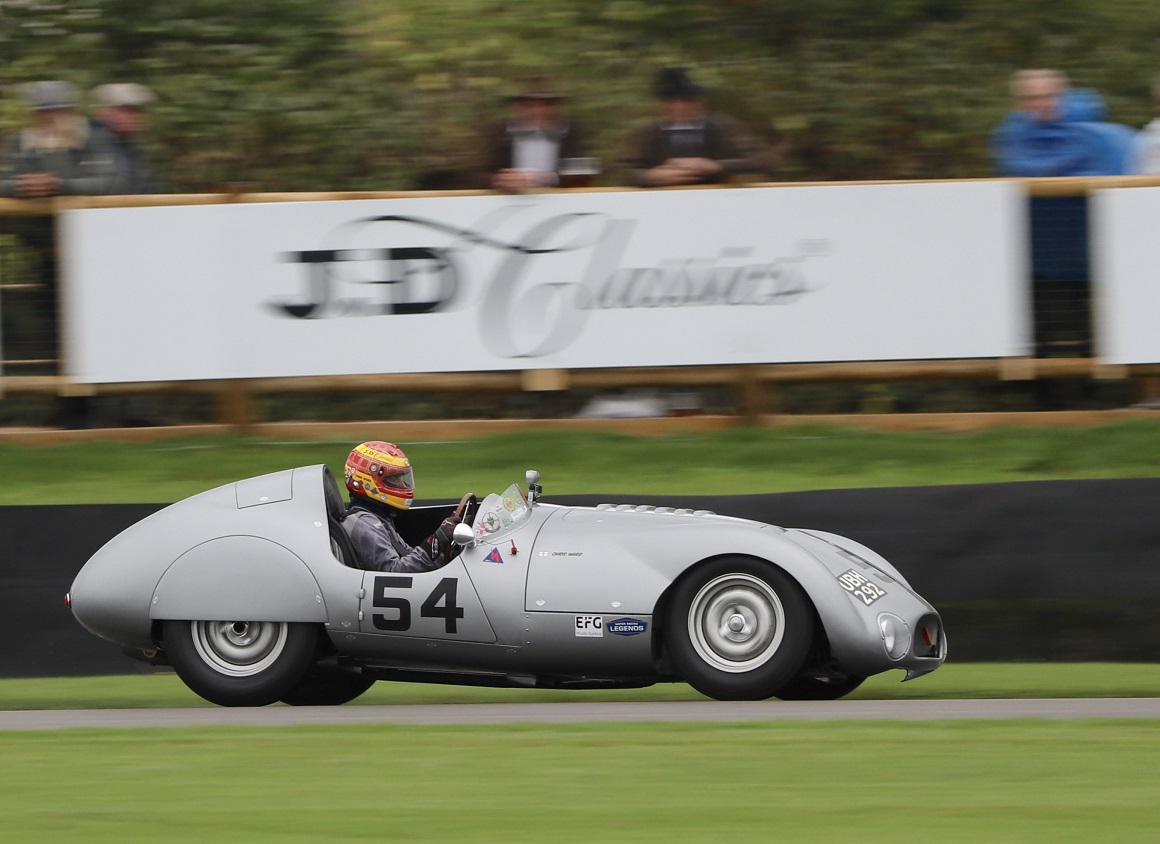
(253, 594)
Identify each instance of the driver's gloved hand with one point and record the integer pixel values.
(440, 544)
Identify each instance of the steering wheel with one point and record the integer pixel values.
(466, 508)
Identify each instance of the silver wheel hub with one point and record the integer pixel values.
(736, 622)
(239, 648)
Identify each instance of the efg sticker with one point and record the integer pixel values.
(590, 626)
(493, 557)
(627, 626)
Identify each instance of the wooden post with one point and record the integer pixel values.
(1146, 390)
(68, 388)
(750, 395)
(1017, 369)
(235, 405)
(544, 380)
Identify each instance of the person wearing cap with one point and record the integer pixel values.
(61, 153)
(121, 109)
(688, 145)
(525, 150)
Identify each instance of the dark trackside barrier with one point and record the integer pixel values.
(1061, 571)
(41, 550)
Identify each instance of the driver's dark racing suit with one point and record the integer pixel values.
(379, 546)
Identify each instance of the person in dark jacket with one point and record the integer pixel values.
(688, 145)
(61, 153)
(122, 109)
(382, 485)
(529, 148)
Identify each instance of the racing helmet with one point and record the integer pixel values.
(381, 472)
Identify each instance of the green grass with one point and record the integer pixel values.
(738, 460)
(965, 781)
(953, 680)
(960, 781)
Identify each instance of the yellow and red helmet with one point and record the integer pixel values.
(380, 471)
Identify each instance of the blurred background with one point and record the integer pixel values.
(357, 95)
(313, 95)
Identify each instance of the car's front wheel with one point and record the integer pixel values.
(241, 663)
(738, 629)
(806, 687)
(327, 689)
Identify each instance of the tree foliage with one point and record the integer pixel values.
(369, 94)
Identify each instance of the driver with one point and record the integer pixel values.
(381, 484)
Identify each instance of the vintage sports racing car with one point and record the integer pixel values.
(252, 593)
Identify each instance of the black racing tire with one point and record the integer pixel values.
(327, 689)
(738, 628)
(806, 687)
(241, 663)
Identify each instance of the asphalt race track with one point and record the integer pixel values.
(572, 713)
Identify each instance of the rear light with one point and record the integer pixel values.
(68, 600)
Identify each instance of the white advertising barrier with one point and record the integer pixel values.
(1126, 269)
(617, 279)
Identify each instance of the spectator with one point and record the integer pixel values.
(1146, 151)
(1058, 131)
(688, 145)
(61, 153)
(121, 110)
(526, 149)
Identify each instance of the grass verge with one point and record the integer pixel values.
(856, 781)
(963, 781)
(732, 461)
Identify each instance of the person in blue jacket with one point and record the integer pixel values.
(1055, 130)
(1059, 131)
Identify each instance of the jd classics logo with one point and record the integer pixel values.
(409, 278)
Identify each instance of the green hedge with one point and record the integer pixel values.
(365, 94)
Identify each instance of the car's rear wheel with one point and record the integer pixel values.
(738, 629)
(327, 689)
(241, 663)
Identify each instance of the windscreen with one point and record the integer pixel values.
(499, 512)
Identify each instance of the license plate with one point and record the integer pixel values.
(858, 585)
